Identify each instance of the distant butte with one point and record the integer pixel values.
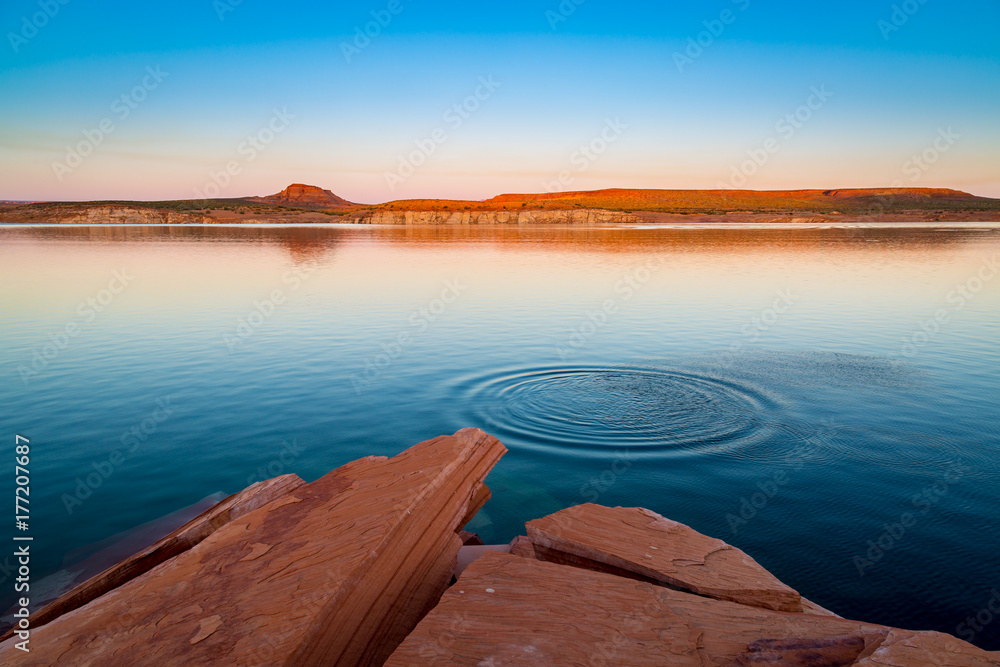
(306, 196)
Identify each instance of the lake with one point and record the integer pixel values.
(825, 399)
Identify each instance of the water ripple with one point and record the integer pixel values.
(591, 411)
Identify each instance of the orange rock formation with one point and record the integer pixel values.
(354, 569)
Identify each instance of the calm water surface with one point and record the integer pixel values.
(827, 400)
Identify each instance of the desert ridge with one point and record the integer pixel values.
(308, 204)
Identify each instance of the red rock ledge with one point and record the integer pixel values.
(336, 572)
(354, 569)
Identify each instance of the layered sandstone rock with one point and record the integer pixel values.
(109, 214)
(444, 217)
(905, 648)
(638, 541)
(511, 610)
(335, 572)
(82, 564)
(341, 571)
(179, 541)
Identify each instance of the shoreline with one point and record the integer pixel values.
(700, 225)
(683, 209)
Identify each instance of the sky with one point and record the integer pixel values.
(379, 100)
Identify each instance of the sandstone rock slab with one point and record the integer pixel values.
(182, 539)
(468, 554)
(511, 610)
(336, 572)
(905, 648)
(470, 539)
(636, 541)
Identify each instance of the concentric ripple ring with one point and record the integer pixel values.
(591, 411)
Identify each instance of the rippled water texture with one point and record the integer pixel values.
(587, 412)
(795, 392)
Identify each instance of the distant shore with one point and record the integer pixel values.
(103, 214)
(306, 204)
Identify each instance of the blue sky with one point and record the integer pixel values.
(381, 124)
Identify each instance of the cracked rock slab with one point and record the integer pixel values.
(637, 541)
(179, 541)
(906, 648)
(335, 572)
(511, 610)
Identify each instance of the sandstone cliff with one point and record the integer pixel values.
(111, 214)
(444, 217)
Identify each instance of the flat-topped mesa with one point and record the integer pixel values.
(644, 199)
(336, 572)
(636, 541)
(306, 196)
